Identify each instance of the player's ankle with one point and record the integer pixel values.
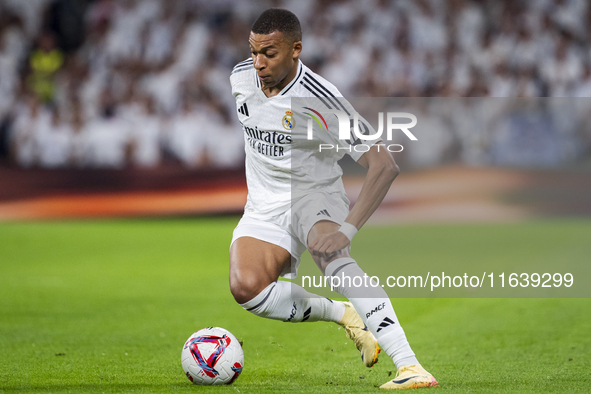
(403, 362)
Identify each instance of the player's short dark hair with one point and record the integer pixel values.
(281, 20)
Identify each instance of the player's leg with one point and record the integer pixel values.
(375, 308)
(255, 266)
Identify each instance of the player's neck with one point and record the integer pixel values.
(275, 90)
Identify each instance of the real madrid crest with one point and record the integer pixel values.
(288, 121)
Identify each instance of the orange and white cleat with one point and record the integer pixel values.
(410, 377)
(358, 332)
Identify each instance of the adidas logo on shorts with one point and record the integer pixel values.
(323, 212)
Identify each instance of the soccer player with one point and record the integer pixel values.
(278, 225)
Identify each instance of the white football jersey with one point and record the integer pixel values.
(282, 164)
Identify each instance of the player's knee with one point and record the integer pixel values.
(245, 287)
(323, 262)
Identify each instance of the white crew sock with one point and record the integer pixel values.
(289, 302)
(374, 307)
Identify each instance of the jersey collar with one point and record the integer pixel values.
(289, 86)
(292, 83)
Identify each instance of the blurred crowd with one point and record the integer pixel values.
(117, 83)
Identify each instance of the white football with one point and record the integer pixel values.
(211, 356)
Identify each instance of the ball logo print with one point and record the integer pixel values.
(237, 369)
(212, 356)
(208, 366)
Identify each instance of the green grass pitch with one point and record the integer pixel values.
(105, 306)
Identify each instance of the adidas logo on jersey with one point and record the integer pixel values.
(323, 212)
(243, 109)
(385, 323)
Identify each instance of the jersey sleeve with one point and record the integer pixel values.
(324, 98)
(239, 77)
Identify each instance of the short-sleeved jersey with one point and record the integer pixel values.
(282, 165)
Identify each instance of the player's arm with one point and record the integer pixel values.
(382, 170)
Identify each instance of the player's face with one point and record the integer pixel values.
(273, 57)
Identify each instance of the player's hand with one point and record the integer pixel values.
(327, 245)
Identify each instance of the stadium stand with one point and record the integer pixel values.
(120, 83)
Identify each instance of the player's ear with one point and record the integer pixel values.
(297, 48)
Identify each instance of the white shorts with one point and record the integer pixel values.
(290, 229)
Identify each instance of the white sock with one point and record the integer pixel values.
(374, 307)
(289, 302)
